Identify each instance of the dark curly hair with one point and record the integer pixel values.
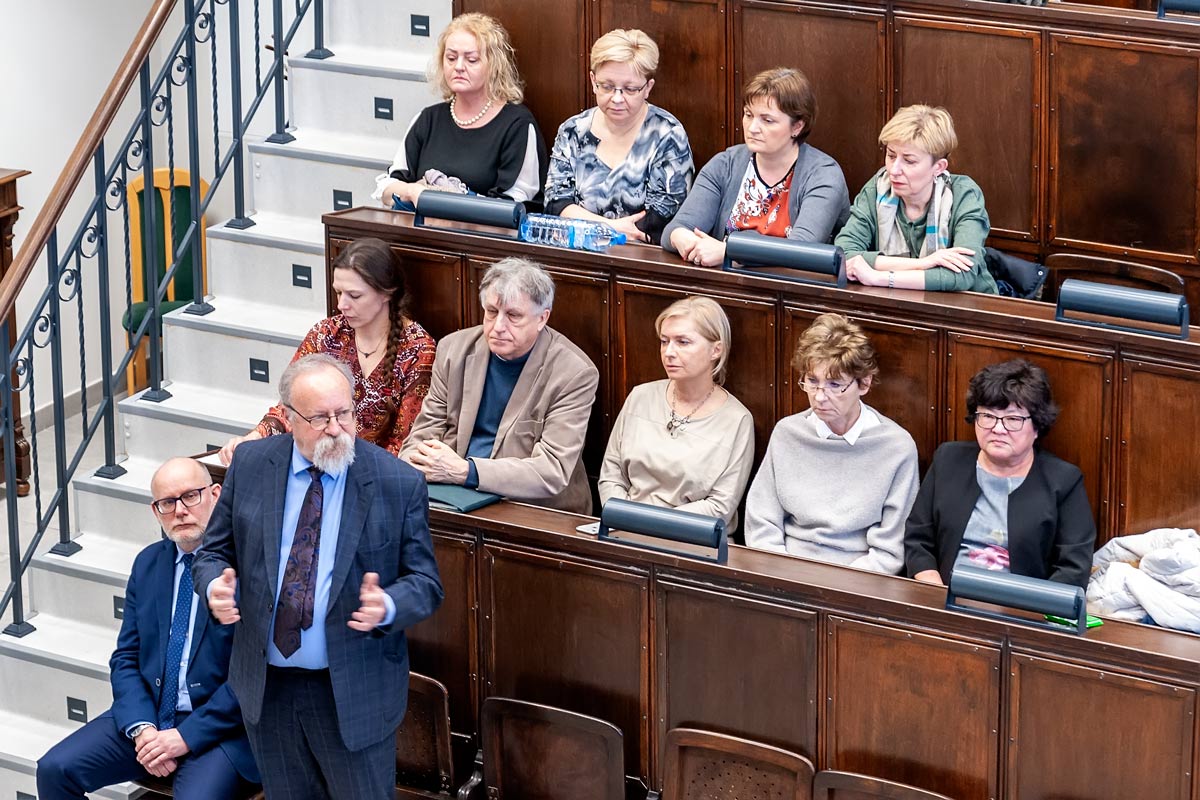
(1016, 382)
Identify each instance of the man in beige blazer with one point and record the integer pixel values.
(508, 406)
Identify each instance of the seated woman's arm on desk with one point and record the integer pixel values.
(696, 230)
(614, 478)
(957, 268)
(1070, 559)
(921, 531)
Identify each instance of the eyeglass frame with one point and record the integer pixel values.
(348, 412)
(175, 501)
(624, 91)
(808, 388)
(1003, 420)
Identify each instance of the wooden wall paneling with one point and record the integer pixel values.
(570, 634)
(552, 43)
(773, 697)
(1082, 387)
(752, 364)
(1137, 734)
(1123, 147)
(930, 719)
(827, 45)
(691, 80)
(435, 282)
(1159, 483)
(909, 387)
(990, 80)
(446, 646)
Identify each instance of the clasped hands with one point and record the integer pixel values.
(955, 259)
(439, 462)
(698, 247)
(158, 751)
(369, 615)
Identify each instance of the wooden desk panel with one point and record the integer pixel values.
(1061, 714)
(914, 708)
(572, 634)
(770, 696)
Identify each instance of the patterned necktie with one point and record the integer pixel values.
(295, 611)
(179, 632)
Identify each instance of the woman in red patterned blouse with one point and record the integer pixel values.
(389, 353)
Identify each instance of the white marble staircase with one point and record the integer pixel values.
(268, 287)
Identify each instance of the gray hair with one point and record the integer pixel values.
(313, 362)
(511, 276)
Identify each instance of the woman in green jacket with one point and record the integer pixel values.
(915, 225)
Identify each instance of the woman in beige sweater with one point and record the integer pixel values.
(683, 442)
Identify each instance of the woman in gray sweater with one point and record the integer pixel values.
(837, 480)
(774, 184)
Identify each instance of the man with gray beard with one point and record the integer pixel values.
(319, 553)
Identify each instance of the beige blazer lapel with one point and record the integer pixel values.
(522, 393)
(474, 376)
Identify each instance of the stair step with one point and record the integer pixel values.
(385, 26)
(63, 658)
(188, 422)
(248, 338)
(366, 102)
(295, 234)
(83, 586)
(117, 508)
(267, 275)
(302, 181)
(23, 740)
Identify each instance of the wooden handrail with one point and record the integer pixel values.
(76, 169)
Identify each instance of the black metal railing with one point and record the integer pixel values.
(150, 117)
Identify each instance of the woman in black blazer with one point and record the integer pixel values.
(999, 503)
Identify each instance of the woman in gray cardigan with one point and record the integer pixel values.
(774, 184)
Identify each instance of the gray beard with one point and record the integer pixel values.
(334, 455)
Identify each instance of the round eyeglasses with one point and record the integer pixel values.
(1012, 422)
(190, 498)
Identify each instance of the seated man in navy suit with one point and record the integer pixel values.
(173, 713)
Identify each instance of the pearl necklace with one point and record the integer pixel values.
(468, 123)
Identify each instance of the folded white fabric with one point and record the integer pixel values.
(1164, 586)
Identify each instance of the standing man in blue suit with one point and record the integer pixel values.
(173, 712)
(319, 551)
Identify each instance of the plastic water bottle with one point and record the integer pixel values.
(574, 234)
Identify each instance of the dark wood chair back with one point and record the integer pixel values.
(537, 752)
(702, 764)
(424, 760)
(834, 785)
(1108, 270)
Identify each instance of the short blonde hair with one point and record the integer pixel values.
(503, 81)
(631, 47)
(931, 129)
(840, 344)
(711, 323)
(791, 91)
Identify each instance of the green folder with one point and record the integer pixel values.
(450, 497)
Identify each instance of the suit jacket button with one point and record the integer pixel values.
(270, 606)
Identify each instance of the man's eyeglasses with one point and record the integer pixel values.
(1012, 423)
(832, 387)
(191, 497)
(607, 89)
(320, 422)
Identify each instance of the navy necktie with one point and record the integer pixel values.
(179, 633)
(295, 611)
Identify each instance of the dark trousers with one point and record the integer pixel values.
(99, 755)
(299, 748)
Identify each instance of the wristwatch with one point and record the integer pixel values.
(137, 729)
